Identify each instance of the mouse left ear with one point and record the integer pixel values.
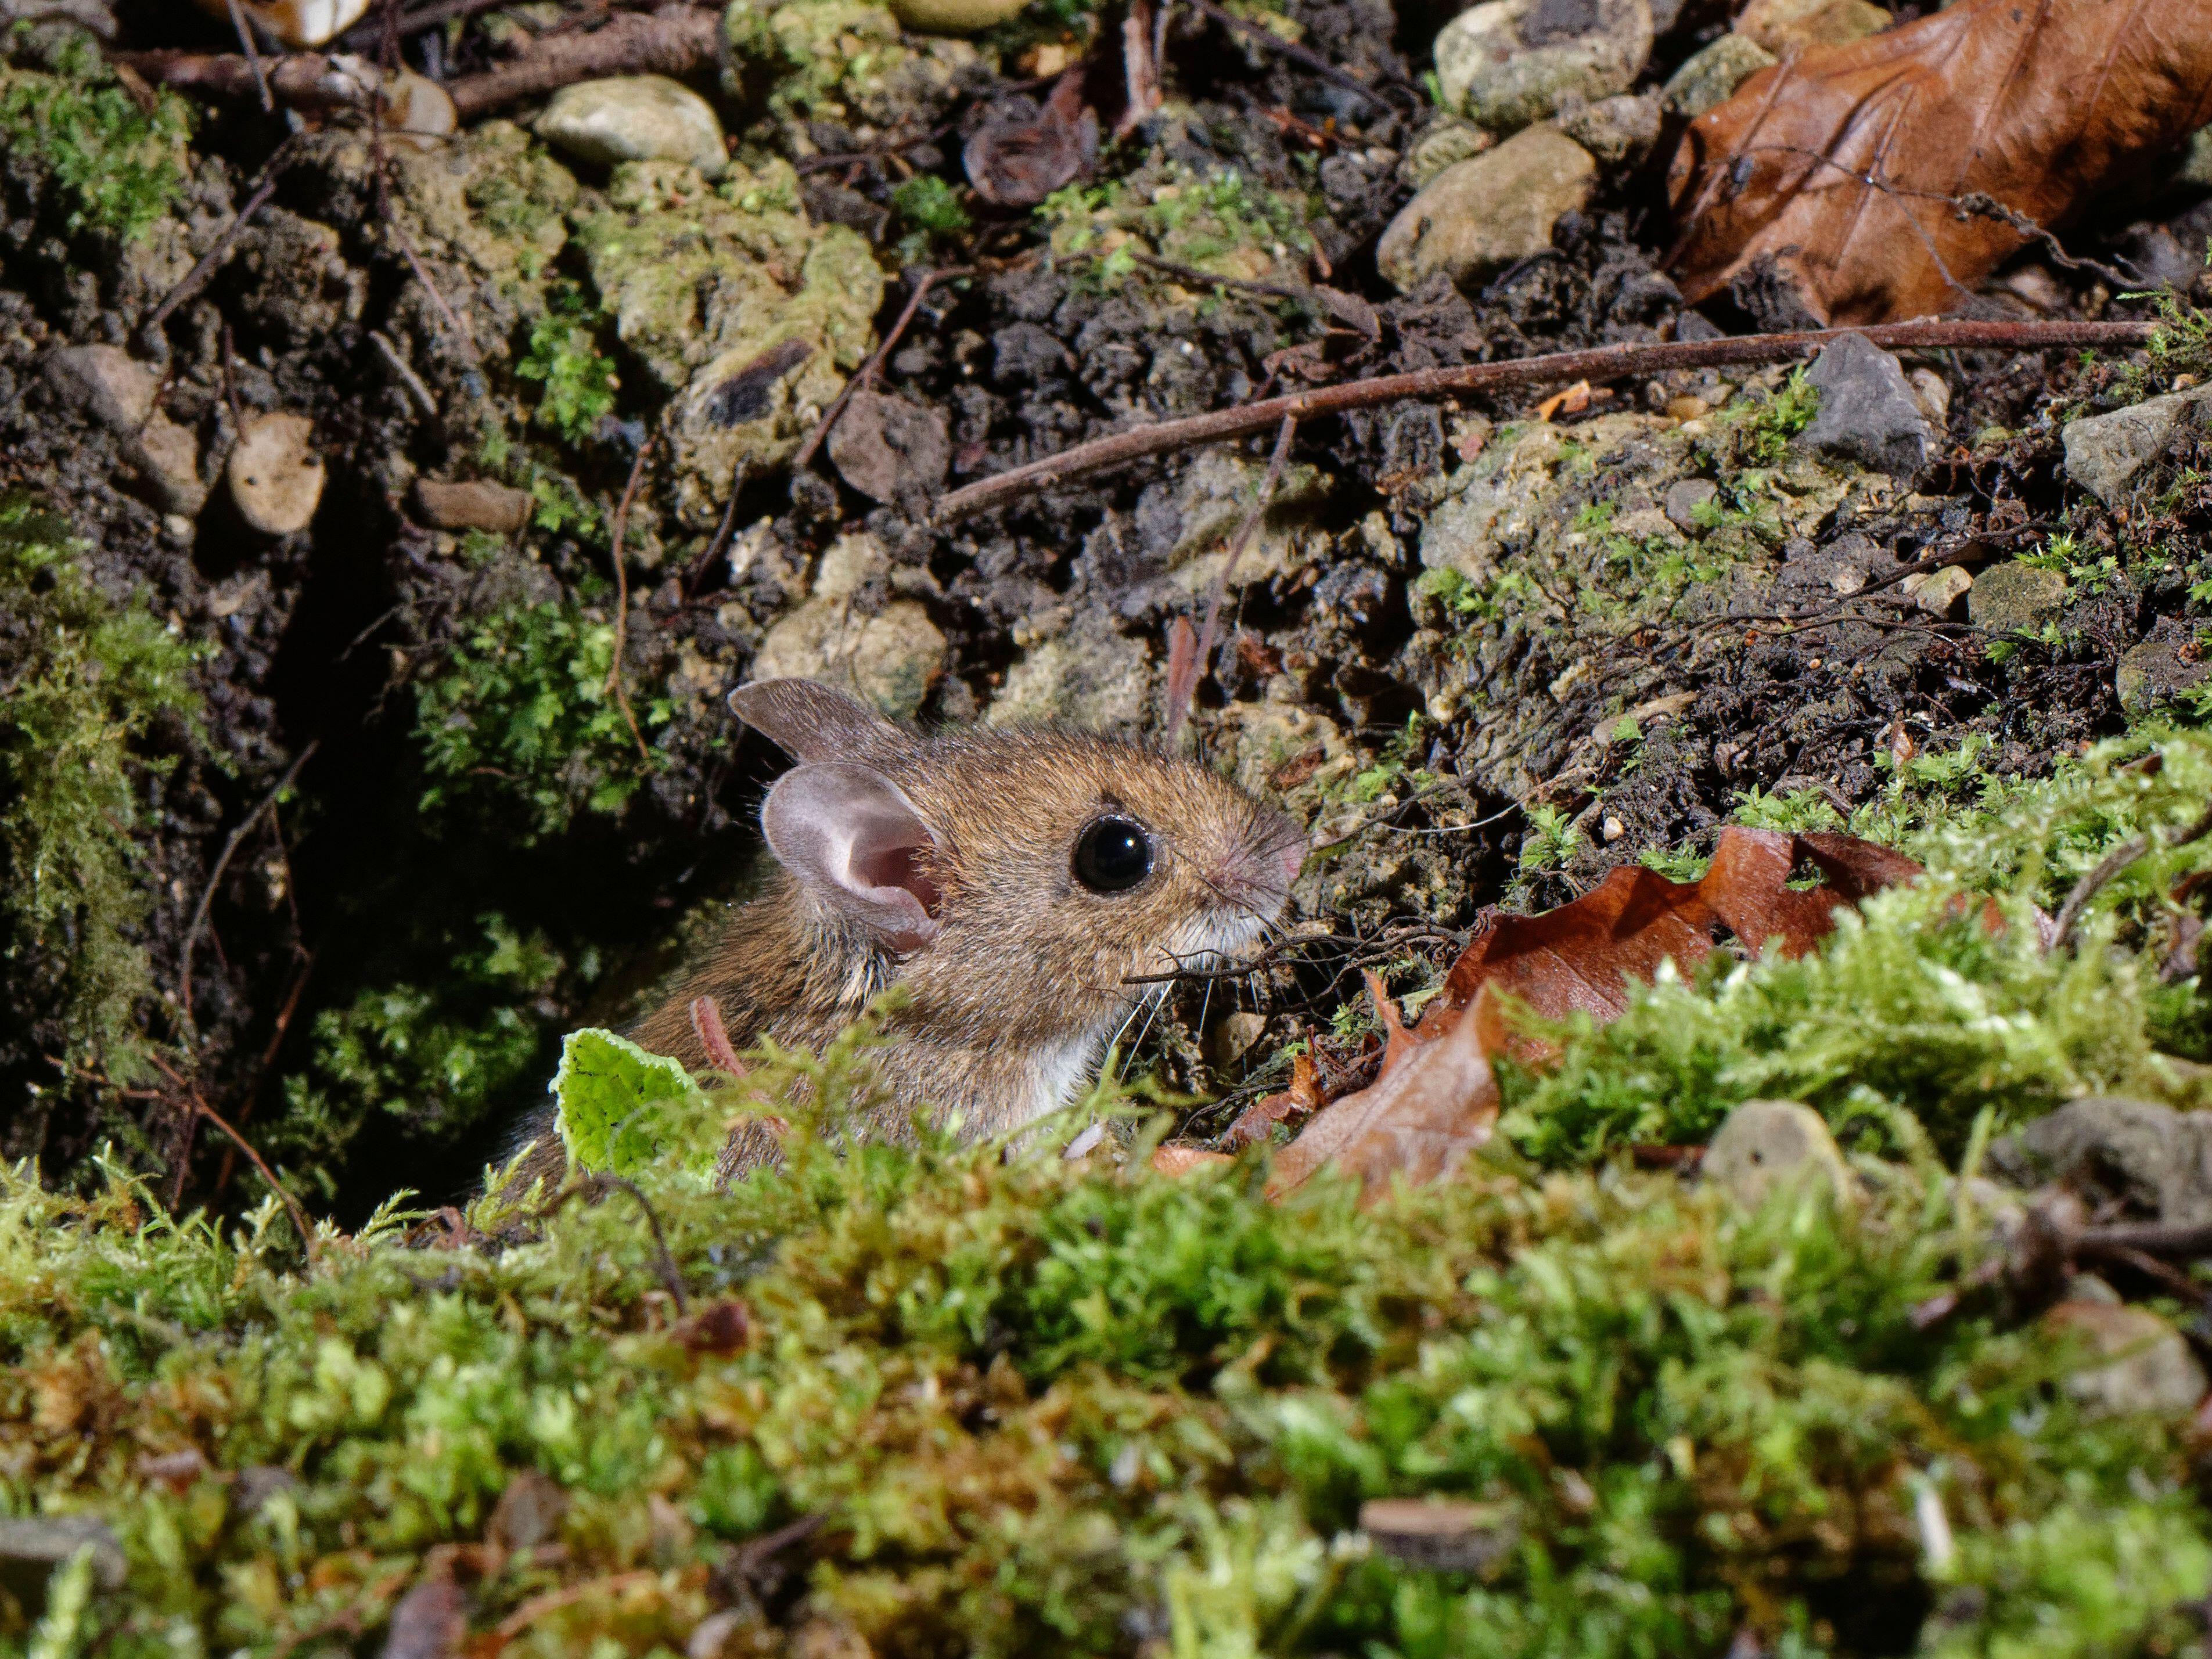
(856, 842)
(812, 722)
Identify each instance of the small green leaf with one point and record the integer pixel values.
(622, 1109)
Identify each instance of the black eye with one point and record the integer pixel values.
(1112, 855)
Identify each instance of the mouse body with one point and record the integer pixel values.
(1012, 882)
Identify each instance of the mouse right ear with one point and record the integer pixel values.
(854, 841)
(812, 722)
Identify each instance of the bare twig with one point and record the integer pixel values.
(1599, 364)
(409, 381)
(615, 681)
(866, 378)
(1292, 49)
(222, 863)
(1209, 631)
(598, 1186)
(196, 279)
(252, 53)
(191, 1094)
(2069, 914)
(675, 43)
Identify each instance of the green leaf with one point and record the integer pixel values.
(622, 1109)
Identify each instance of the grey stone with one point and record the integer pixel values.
(1618, 129)
(474, 504)
(1867, 413)
(1710, 76)
(32, 1547)
(1442, 1535)
(275, 476)
(1791, 25)
(1938, 591)
(635, 118)
(891, 449)
(105, 381)
(2153, 1158)
(2016, 598)
(166, 456)
(2154, 673)
(1087, 676)
(1445, 140)
(2103, 453)
(2146, 1367)
(1683, 499)
(889, 656)
(1767, 1145)
(1488, 211)
(1508, 63)
(95, 16)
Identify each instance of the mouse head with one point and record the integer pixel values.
(1020, 879)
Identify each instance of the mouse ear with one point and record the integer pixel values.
(811, 722)
(853, 840)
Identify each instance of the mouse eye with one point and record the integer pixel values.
(1112, 855)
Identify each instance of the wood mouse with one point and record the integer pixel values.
(1012, 882)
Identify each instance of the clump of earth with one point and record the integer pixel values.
(450, 770)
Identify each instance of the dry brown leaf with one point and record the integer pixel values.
(1182, 1160)
(1877, 177)
(1579, 957)
(1022, 154)
(1416, 1123)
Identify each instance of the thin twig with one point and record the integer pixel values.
(1209, 631)
(409, 381)
(271, 171)
(861, 381)
(222, 863)
(598, 1186)
(307, 1239)
(1292, 49)
(620, 533)
(2069, 914)
(2151, 1238)
(252, 53)
(675, 43)
(1599, 364)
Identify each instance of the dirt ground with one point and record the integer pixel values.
(437, 797)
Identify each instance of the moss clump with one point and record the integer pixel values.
(563, 356)
(523, 708)
(1216, 219)
(439, 1061)
(120, 169)
(86, 682)
(1031, 1407)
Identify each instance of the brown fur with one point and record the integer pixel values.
(1026, 979)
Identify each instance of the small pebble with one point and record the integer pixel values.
(275, 476)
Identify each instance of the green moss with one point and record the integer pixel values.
(1215, 220)
(524, 710)
(439, 1058)
(85, 684)
(121, 168)
(564, 356)
(1035, 1406)
(1778, 418)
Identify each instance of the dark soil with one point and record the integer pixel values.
(351, 1007)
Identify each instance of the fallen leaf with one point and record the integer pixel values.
(1022, 154)
(1182, 1160)
(1888, 177)
(1575, 399)
(1304, 1095)
(1417, 1123)
(889, 448)
(1580, 957)
(722, 1327)
(430, 1619)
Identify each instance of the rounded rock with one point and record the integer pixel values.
(1488, 211)
(1767, 1145)
(1710, 76)
(635, 118)
(2015, 598)
(1508, 63)
(954, 16)
(275, 476)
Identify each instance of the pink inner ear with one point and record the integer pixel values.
(898, 866)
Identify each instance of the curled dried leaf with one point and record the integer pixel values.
(1022, 154)
(1884, 178)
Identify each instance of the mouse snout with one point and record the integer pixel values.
(1259, 872)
